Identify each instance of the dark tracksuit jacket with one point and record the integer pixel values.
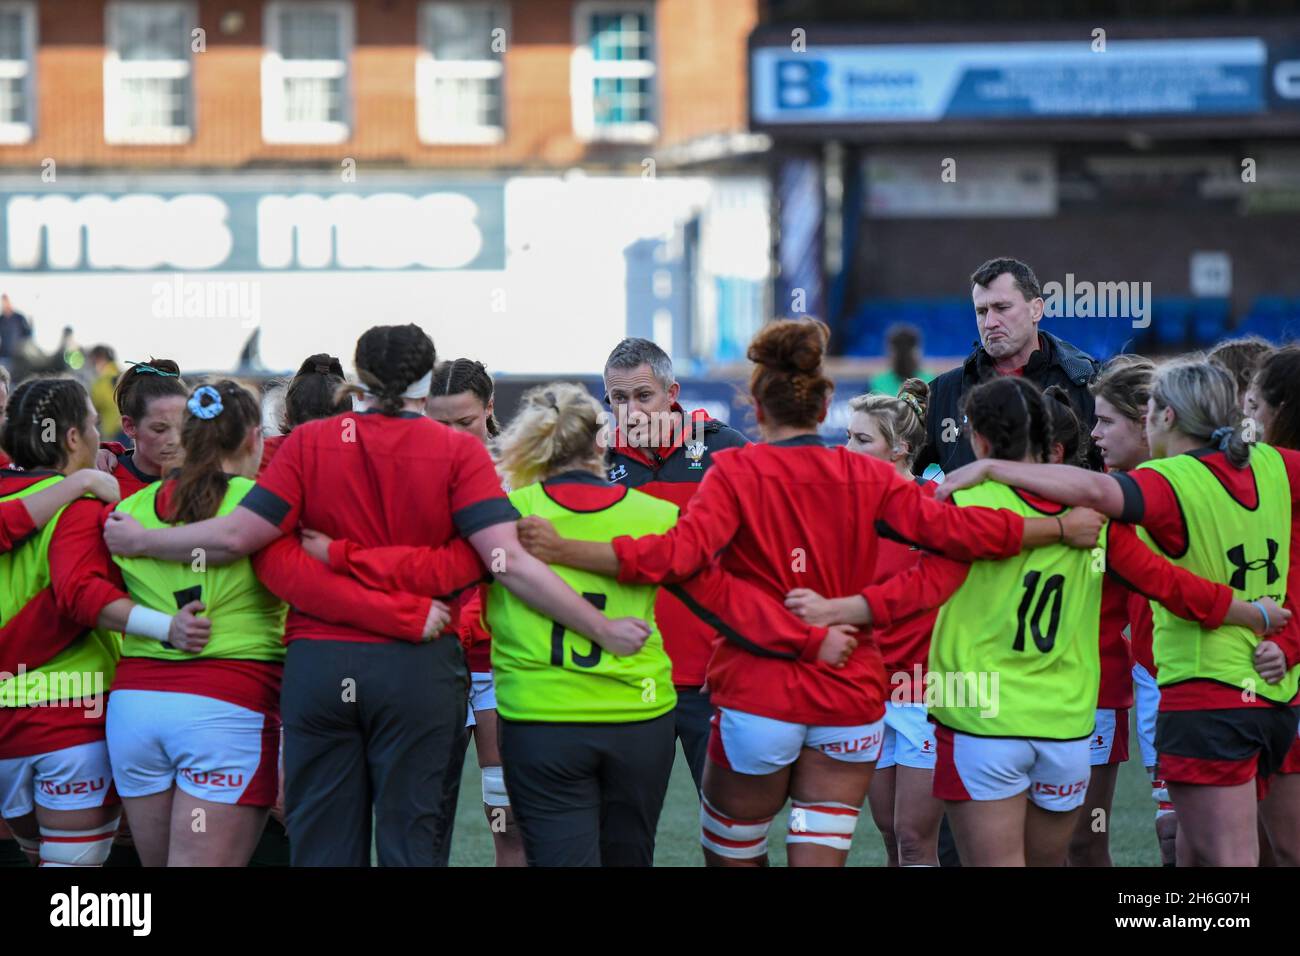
(1055, 362)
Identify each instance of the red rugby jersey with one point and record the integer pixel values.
(797, 513)
(130, 478)
(1141, 631)
(270, 445)
(673, 473)
(905, 644)
(377, 480)
(1150, 500)
(723, 604)
(253, 685)
(83, 580)
(474, 636)
(16, 524)
(1116, 690)
(298, 579)
(443, 572)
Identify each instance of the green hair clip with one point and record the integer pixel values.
(150, 370)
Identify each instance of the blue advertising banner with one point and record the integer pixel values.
(919, 83)
(425, 227)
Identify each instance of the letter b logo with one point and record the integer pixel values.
(801, 84)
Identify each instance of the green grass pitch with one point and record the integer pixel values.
(1132, 841)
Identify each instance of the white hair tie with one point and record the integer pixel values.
(417, 389)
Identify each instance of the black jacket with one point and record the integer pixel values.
(1055, 362)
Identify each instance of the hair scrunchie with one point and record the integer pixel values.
(1221, 436)
(208, 411)
(910, 401)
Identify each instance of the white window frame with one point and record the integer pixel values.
(583, 71)
(275, 69)
(428, 69)
(25, 70)
(116, 70)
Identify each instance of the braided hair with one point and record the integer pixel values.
(389, 358)
(466, 375)
(38, 417)
(1010, 415)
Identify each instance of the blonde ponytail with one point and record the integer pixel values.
(556, 429)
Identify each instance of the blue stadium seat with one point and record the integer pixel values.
(1273, 306)
(1272, 317)
(1209, 321)
(868, 325)
(947, 325)
(1267, 325)
(1169, 322)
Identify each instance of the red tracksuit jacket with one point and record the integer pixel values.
(728, 606)
(798, 513)
(674, 474)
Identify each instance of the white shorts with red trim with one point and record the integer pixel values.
(1109, 741)
(211, 749)
(1146, 700)
(909, 738)
(747, 743)
(482, 696)
(1054, 772)
(74, 778)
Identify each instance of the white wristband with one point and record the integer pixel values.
(146, 622)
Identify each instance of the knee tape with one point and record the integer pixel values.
(494, 787)
(733, 839)
(77, 847)
(830, 824)
(1160, 794)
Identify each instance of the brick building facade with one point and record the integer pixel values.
(513, 84)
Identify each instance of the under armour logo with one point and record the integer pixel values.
(1237, 555)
